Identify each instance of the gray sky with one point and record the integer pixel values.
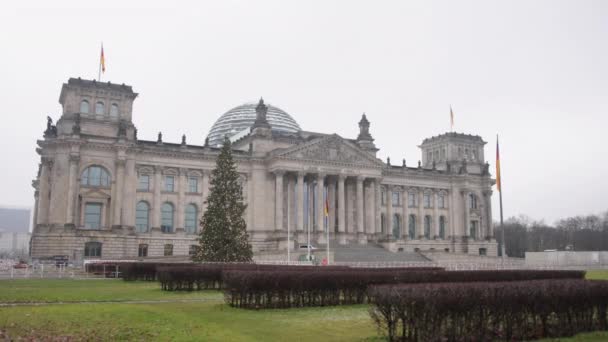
(536, 72)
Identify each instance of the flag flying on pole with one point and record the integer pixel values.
(497, 165)
(451, 118)
(326, 208)
(102, 60)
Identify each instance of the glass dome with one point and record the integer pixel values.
(238, 121)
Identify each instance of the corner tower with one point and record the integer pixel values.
(96, 108)
(455, 151)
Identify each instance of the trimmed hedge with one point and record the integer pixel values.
(507, 311)
(210, 276)
(284, 289)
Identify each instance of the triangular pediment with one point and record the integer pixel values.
(95, 193)
(332, 148)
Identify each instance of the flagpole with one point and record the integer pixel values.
(99, 73)
(499, 184)
(502, 228)
(288, 235)
(327, 220)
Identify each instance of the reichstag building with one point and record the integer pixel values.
(101, 192)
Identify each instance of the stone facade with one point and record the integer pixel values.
(101, 192)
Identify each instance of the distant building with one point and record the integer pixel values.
(102, 192)
(14, 230)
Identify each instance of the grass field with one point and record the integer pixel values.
(79, 309)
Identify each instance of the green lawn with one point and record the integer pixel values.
(207, 318)
(67, 290)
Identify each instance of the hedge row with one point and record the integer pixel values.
(210, 276)
(284, 289)
(490, 311)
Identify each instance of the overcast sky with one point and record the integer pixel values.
(535, 72)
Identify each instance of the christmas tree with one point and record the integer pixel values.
(223, 237)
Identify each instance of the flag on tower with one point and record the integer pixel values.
(102, 60)
(451, 118)
(497, 165)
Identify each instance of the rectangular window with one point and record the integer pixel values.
(143, 250)
(427, 200)
(192, 184)
(396, 201)
(169, 183)
(92, 249)
(168, 250)
(383, 197)
(411, 200)
(144, 183)
(442, 201)
(192, 250)
(92, 215)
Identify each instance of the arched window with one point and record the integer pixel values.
(114, 110)
(167, 218)
(427, 200)
(411, 232)
(427, 227)
(472, 201)
(92, 249)
(99, 108)
(142, 216)
(84, 107)
(396, 226)
(95, 176)
(191, 213)
(442, 227)
(383, 223)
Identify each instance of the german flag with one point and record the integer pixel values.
(497, 165)
(102, 60)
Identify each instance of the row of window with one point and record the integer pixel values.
(94, 249)
(412, 199)
(99, 108)
(411, 233)
(93, 213)
(142, 217)
(143, 183)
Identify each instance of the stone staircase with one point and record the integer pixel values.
(372, 253)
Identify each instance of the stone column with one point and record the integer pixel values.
(371, 208)
(420, 216)
(320, 202)
(181, 199)
(405, 220)
(378, 208)
(290, 202)
(118, 194)
(489, 222)
(278, 200)
(331, 197)
(467, 214)
(72, 188)
(44, 189)
(436, 212)
(360, 215)
(389, 212)
(341, 210)
(300, 207)
(156, 201)
(205, 191)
